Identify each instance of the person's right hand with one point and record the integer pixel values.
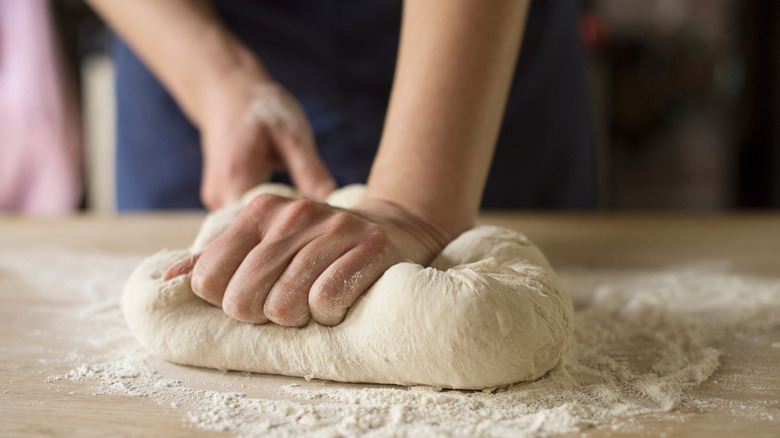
(289, 261)
(251, 127)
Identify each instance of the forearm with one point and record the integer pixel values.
(455, 65)
(183, 43)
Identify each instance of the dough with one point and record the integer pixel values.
(488, 312)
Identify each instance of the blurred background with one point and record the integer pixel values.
(685, 95)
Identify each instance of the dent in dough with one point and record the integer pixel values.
(488, 312)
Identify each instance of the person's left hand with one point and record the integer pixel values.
(289, 261)
(251, 127)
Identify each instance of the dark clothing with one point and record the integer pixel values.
(338, 57)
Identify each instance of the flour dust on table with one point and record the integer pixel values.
(488, 312)
(643, 342)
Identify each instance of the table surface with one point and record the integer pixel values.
(749, 243)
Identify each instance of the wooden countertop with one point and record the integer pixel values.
(750, 243)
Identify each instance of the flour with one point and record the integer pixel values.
(488, 311)
(643, 340)
(274, 105)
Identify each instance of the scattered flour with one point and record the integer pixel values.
(642, 340)
(272, 104)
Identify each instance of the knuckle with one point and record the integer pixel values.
(324, 304)
(204, 285)
(342, 222)
(257, 210)
(320, 300)
(289, 284)
(297, 213)
(275, 313)
(287, 314)
(240, 308)
(303, 207)
(261, 204)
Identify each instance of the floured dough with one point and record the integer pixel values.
(488, 312)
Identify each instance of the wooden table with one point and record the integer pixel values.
(750, 243)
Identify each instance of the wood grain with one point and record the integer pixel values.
(749, 375)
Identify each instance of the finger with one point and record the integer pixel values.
(247, 290)
(219, 190)
(236, 162)
(182, 267)
(244, 181)
(290, 230)
(307, 170)
(220, 260)
(337, 289)
(288, 300)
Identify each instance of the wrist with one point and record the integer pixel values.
(420, 239)
(226, 70)
(431, 229)
(445, 209)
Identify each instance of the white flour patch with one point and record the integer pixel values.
(642, 341)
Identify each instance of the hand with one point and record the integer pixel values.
(289, 261)
(252, 128)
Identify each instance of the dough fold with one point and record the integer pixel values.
(488, 312)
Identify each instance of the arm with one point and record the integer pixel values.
(183, 43)
(455, 65)
(289, 261)
(215, 80)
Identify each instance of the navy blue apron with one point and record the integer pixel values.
(337, 57)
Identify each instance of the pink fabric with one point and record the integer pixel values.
(40, 147)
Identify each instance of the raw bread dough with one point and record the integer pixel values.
(488, 312)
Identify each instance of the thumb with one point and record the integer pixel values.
(307, 170)
(182, 267)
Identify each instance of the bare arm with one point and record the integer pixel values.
(454, 70)
(290, 261)
(183, 43)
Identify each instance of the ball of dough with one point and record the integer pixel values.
(489, 311)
